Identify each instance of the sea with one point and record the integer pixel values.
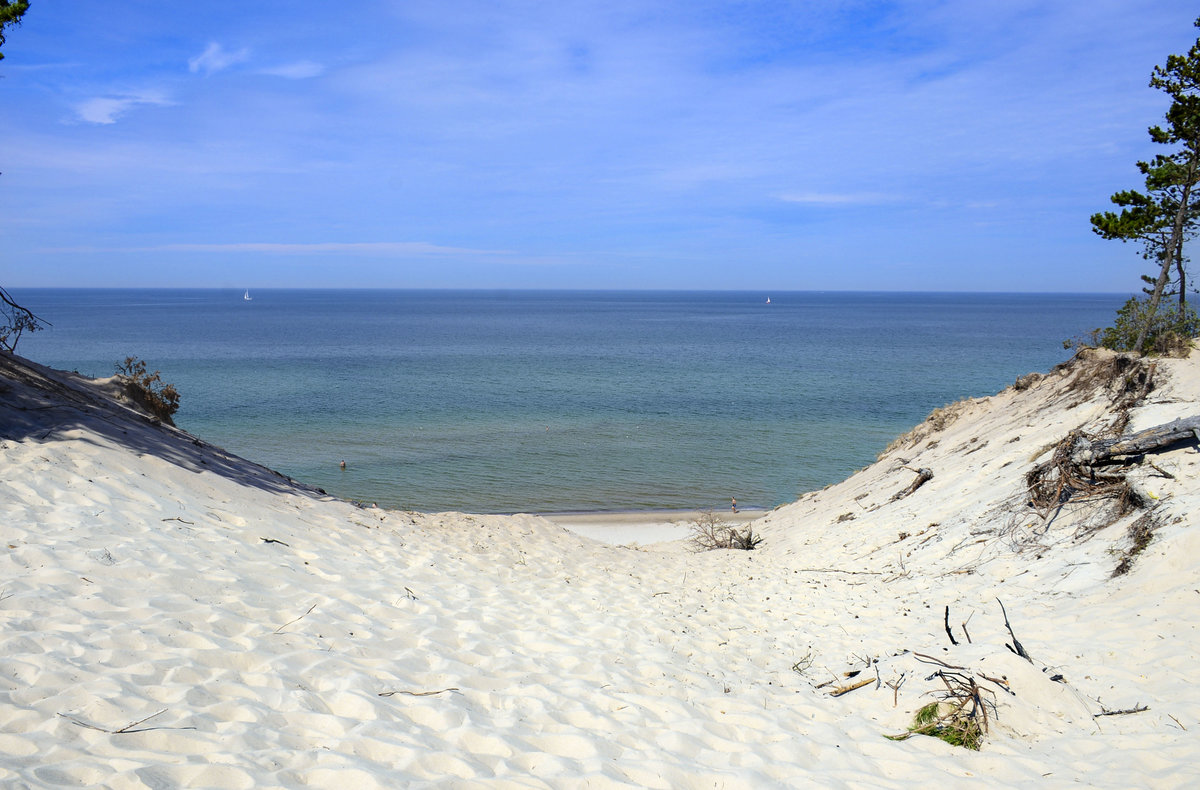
(561, 401)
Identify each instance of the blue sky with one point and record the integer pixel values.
(802, 145)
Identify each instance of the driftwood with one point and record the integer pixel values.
(923, 476)
(1125, 712)
(1092, 467)
(837, 692)
(1105, 451)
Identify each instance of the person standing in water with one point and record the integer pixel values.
(733, 504)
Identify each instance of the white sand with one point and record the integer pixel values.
(279, 638)
(640, 529)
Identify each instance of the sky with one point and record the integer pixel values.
(730, 145)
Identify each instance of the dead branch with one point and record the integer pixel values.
(128, 728)
(1002, 683)
(16, 321)
(416, 693)
(1161, 471)
(949, 633)
(924, 659)
(1016, 646)
(1125, 712)
(837, 692)
(923, 476)
(895, 685)
(301, 617)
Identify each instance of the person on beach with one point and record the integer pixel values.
(733, 504)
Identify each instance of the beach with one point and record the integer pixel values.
(646, 527)
(176, 616)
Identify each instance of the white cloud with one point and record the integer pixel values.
(107, 109)
(298, 70)
(214, 58)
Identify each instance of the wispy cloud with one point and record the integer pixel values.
(297, 70)
(839, 198)
(652, 141)
(107, 109)
(214, 58)
(286, 248)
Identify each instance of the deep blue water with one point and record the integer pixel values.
(554, 401)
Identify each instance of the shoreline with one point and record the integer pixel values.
(643, 527)
(229, 627)
(464, 428)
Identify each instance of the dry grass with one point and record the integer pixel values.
(1141, 532)
(148, 389)
(1095, 369)
(960, 714)
(709, 532)
(938, 420)
(1028, 380)
(959, 717)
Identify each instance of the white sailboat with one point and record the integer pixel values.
(768, 300)
(246, 296)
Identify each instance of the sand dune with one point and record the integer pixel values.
(174, 616)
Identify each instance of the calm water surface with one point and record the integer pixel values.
(561, 401)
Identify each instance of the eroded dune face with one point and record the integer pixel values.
(176, 616)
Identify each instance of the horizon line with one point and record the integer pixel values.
(512, 289)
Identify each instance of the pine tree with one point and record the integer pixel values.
(1167, 214)
(10, 14)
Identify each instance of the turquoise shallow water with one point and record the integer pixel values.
(561, 401)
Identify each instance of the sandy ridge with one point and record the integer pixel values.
(280, 638)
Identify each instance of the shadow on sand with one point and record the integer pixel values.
(40, 403)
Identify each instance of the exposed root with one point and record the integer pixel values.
(1128, 379)
(1061, 479)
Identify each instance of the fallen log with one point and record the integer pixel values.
(1100, 451)
(923, 476)
(1078, 465)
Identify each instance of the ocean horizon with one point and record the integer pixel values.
(561, 401)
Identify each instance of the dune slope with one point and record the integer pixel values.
(172, 615)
